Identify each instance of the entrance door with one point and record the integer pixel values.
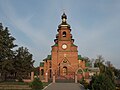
(64, 71)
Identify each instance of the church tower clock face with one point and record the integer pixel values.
(64, 46)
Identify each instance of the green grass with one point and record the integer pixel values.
(22, 83)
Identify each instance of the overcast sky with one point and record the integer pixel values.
(95, 25)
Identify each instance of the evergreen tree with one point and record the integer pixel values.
(23, 63)
(6, 52)
(105, 80)
(99, 63)
(18, 63)
(102, 82)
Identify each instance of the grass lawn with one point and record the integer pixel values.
(8, 84)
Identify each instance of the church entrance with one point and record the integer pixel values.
(64, 71)
(66, 74)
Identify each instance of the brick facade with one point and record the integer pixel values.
(64, 59)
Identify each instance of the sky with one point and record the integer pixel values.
(95, 26)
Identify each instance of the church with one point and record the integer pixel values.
(64, 62)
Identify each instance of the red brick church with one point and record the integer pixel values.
(64, 61)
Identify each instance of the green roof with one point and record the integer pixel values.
(79, 57)
(87, 64)
(48, 58)
(55, 44)
(41, 64)
(74, 45)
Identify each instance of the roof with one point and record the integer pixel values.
(64, 22)
(41, 64)
(79, 57)
(55, 44)
(48, 58)
(74, 45)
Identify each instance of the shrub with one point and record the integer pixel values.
(84, 83)
(36, 84)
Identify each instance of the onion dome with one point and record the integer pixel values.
(64, 21)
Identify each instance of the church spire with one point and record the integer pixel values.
(64, 17)
(64, 21)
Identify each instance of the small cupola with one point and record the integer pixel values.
(64, 21)
(64, 17)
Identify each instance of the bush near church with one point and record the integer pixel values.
(84, 83)
(36, 84)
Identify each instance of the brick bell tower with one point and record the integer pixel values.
(64, 54)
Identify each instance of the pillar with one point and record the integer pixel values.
(46, 77)
(39, 74)
(75, 78)
(32, 76)
(53, 78)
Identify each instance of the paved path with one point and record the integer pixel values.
(64, 86)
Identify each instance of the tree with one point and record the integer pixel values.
(6, 52)
(102, 82)
(117, 73)
(36, 71)
(99, 63)
(23, 63)
(19, 62)
(105, 80)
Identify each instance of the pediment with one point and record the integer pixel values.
(64, 62)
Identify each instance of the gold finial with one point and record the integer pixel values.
(64, 17)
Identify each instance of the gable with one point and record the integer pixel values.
(65, 62)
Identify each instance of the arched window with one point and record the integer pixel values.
(64, 34)
(64, 70)
(42, 72)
